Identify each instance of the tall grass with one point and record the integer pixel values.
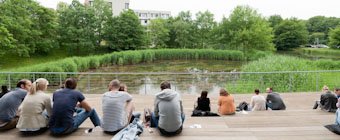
(286, 79)
(79, 64)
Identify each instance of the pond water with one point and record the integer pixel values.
(186, 76)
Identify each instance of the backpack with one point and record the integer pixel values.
(243, 106)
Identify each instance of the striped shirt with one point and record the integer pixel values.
(114, 112)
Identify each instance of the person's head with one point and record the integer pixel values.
(39, 85)
(123, 87)
(269, 90)
(337, 91)
(204, 94)
(325, 88)
(165, 85)
(114, 85)
(223, 92)
(4, 89)
(71, 83)
(257, 91)
(24, 84)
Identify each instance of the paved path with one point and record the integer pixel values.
(298, 122)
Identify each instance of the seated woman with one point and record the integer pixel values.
(32, 110)
(327, 100)
(226, 105)
(203, 103)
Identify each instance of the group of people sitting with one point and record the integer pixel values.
(31, 110)
(226, 105)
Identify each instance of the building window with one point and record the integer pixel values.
(146, 21)
(91, 3)
(140, 15)
(110, 4)
(156, 15)
(126, 5)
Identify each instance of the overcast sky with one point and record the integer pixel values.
(302, 9)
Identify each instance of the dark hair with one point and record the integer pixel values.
(22, 82)
(4, 89)
(204, 94)
(122, 87)
(257, 91)
(271, 88)
(337, 89)
(71, 83)
(165, 85)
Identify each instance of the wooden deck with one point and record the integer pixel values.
(298, 122)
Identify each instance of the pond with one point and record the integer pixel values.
(186, 76)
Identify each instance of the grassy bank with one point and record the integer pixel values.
(286, 81)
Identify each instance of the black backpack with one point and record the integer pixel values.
(243, 106)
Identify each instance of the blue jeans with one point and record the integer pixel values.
(154, 120)
(337, 117)
(81, 116)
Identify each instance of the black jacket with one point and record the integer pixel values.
(328, 101)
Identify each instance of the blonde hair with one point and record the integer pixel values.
(325, 88)
(39, 84)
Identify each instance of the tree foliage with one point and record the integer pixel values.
(245, 29)
(290, 33)
(27, 27)
(204, 24)
(125, 32)
(158, 32)
(334, 38)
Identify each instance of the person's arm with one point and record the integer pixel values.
(48, 106)
(219, 104)
(85, 105)
(322, 99)
(156, 110)
(338, 103)
(252, 103)
(180, 103)
(209, 104)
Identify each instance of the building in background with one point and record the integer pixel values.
(117, 6)
(146, 15)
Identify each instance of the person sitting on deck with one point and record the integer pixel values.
(35, 109)
(258, 102)
(226, 105)
(274, 101)
(65, 105)
(327, 100)
(337, 118)
(168, 113)
(123, 87)
(4, 90)
(9, 104)
(117, 109)
(203, 102)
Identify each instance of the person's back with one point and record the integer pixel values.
(114, 112)
(227, 105)
(169, 109)
(258, 103)
(64, 103)
(31, 114)
(328, 101)
(203, 104)
(10, 102)
(275, 101)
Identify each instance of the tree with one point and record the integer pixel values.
(184, 30)
(317, 38)
(321, 24)
(245, 30)
(158, 32)
(76, 27)
(334, 38)
(30, 25)
(102, 14)
(291, 33)
(275, 20)
(6, 40)
(204, 24)
(125, 32)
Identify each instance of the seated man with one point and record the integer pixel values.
(117, 108)
(337, 118)
(9, 104)
(168, 114)
(327, 101)
(258, 102)
(65, 101)
(274, 101)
